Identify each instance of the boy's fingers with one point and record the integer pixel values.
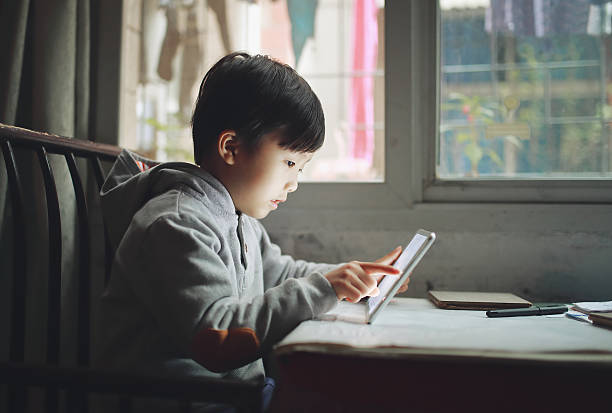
(358, 283)
(352, 294)
(390, 257)
(364, 284)
(377, 268)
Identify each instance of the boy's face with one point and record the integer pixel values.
(261, 178)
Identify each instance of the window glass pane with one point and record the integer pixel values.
(525, 89)
(336, 45)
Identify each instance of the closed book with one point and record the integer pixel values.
(472, 300)
(603, 319)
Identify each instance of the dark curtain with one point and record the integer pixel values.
(59, 74)
(47, 47)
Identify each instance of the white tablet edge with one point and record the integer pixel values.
(431, 237)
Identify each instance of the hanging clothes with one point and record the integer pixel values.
(365, 49)
(510, 16)
(219, 7)
(538, 17)
(179, 31)
(302, 17)
(170, 43)
(182, 30)
(193, 60)
(600, 18)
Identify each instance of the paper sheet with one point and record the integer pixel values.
(416, 323)
(594, 306)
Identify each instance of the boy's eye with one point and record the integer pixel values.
(291, 164)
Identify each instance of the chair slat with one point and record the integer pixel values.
(17, 345)
(54, 281)
(17, 395)
(108, 253)
(55, 259)
(83, 332)
(97, 168)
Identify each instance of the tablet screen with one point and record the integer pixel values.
(402, 263)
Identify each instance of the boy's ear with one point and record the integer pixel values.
(227, 146)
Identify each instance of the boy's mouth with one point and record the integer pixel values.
(276, 202)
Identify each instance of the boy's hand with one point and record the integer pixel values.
(390, 259)
(356, 279)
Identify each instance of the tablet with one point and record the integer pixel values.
(406, 262)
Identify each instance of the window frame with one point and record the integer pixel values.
(396, 191)
(412, 114)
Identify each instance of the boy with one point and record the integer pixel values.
(197, 288)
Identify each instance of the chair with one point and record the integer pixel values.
(66, 385)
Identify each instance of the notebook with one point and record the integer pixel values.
(367, 312)
(602, 319)
(470, 300)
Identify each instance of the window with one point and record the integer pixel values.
(525, 89)
(523, 105)
(336, 45)
(542, 141)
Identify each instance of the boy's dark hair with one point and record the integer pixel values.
(255, 95)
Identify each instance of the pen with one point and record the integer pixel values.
(533, 310)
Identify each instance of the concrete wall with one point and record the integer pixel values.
(540, 252)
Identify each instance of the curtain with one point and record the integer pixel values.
(47, 48)
(50, 81)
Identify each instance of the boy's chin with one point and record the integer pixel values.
(262, 214)
(257, 214)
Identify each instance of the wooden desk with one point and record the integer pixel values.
(423, 359)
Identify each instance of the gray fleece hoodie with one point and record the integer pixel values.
(196, 287)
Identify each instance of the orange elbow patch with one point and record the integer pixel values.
(221, 350)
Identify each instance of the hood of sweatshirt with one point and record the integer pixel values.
(134, 180)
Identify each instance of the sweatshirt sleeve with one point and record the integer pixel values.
(193, 297)
(278, 267)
